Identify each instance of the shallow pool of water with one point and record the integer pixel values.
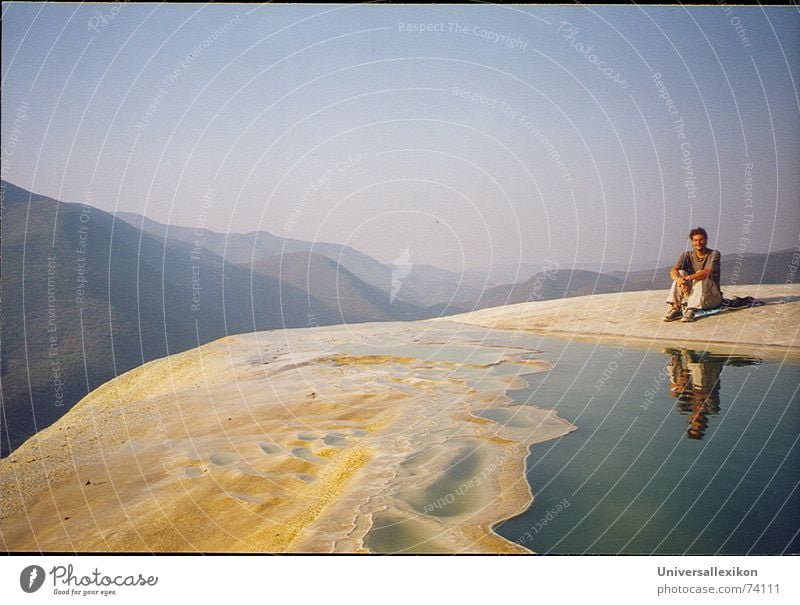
(446, 497)
(676, 451)
(392, 534)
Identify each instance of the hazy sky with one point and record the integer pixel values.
(470, 135)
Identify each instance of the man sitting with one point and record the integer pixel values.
(695, 280)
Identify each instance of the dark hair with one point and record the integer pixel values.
(698, 231)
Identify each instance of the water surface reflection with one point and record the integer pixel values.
(695, 381)
(680, 451)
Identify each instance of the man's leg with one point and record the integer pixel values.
(704, 295)
(675, 300)
(677, 296)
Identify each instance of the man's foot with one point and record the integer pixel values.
(672, 314)
(688, 315)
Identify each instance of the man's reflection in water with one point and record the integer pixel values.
(695, 383)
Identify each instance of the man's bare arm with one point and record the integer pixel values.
(702, 274)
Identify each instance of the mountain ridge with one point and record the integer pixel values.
(119, 297)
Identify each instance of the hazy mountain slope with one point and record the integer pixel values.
(244, 248)
(548, 285)
(332, 285)
(434, 286)
(71, 320)
(419, 284)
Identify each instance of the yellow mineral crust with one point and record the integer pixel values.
(376, 437)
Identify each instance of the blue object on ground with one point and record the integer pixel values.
(706, 312)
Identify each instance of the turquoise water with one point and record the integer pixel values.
(676, 451)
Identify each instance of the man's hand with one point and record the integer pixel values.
(683, 281)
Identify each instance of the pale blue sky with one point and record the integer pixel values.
(493, 136)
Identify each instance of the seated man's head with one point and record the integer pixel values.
(699, 238)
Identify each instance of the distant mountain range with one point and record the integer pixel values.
(88, 295)
(424, 286)
(553, 283)
(333, 289)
